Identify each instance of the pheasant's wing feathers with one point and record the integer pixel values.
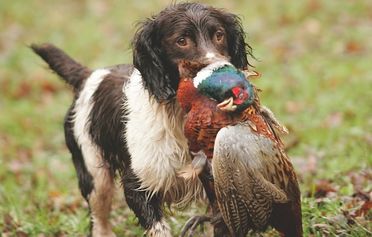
(243, 190)
(257, 202)
(268, 189)
(233, 207)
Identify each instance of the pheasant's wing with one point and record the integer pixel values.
(240, 166)
(233, 207)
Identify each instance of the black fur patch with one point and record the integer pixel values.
(84, 177)
(147, 210)
(107, 118)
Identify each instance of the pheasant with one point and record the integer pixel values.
(254, 181)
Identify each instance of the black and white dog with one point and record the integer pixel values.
(124, 119)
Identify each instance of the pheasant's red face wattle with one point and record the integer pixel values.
(240, 95)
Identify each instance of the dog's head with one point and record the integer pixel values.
(187, 31)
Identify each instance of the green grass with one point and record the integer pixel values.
(314, 57)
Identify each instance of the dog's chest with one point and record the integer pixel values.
(155, 139)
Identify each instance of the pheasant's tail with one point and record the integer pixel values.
(270, 117)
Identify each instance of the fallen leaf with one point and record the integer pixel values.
(313, 5)
(48, 87)
(360, 180)
(23, 90)
(20, 233)
(353, 47)
(350, 219)
(9, 223)
(363, 210)
(323, 188)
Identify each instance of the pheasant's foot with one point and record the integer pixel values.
(191, 225)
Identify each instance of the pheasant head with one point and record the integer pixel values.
(222, 82)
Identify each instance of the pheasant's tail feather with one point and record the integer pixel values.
(270, 117)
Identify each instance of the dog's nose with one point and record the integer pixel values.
(211, 57)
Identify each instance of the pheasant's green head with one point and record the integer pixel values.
(226, 84)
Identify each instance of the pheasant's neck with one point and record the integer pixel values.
(187, 94)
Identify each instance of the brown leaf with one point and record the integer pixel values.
(48, 87)
(360, 180)
(313, 5)
(352, 47)
(20, 233)
(349, 219)
(9, 223)
(24, 89)
(364, 196)
(323, 188)
(364, 209)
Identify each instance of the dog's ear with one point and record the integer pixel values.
(238, 48)
(149, 59)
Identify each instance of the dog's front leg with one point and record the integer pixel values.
(147, 209)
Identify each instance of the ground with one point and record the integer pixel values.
(314, 57)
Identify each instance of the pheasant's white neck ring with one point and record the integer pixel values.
(208, 70)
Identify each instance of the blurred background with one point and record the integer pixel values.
(314, 57)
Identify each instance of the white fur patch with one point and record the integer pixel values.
(159, 229)
(100, 198)
(208, 70)
(83, 106)
(156, 142)
(210, 55)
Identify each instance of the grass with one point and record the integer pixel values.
(314, 57)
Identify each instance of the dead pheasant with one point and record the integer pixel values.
(254, 181)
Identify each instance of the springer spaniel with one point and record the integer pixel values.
(125, 120)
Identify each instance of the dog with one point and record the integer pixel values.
(125, 122)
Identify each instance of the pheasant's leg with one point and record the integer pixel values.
(195, 221)
(220, 228)
(192, 223)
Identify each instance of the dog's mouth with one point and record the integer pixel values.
(239, 96)
(189, 69)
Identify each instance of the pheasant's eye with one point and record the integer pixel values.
(182, 41)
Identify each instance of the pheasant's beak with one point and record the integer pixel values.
(249, 74)
(227, 105)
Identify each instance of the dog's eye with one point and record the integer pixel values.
(219, 35)
(182, 41)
